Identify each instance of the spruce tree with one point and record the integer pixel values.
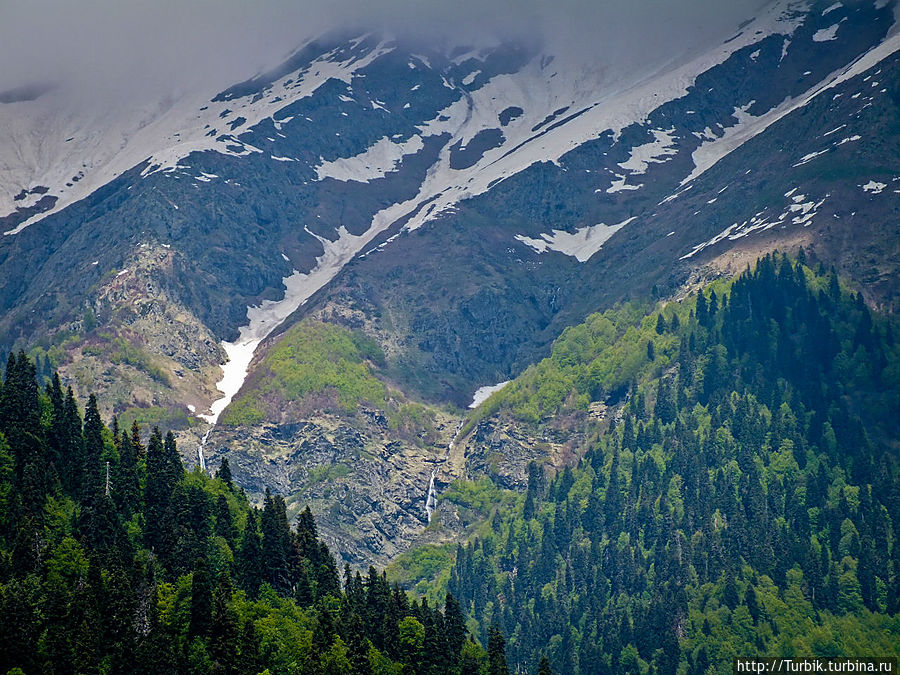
(126, 487)
(224, 473)
(249, 560)
(92, 473)
(496, 652)
(201, 600)
(544, 667)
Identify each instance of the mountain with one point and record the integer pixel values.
(374, 230)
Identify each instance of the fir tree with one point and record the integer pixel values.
(496, 652)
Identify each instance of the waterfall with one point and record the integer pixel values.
(453, 440)
(200, 450)
(431, 499)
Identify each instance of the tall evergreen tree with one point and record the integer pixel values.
(201, 600)
(496, 652)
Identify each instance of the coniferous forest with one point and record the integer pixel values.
(741, 498)
(115, 559)
(746, 500)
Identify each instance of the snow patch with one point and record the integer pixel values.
(376, 161)
(810, 157)
(657, 151)
(470, 78)
(873, 187)
(581, 245)
(621, 184)
(484, 393)
(826, 34)
(711, 151)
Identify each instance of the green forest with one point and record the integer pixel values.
(745, 499)
(741, 497)
(115, 559)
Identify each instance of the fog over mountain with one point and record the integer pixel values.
(156, 49)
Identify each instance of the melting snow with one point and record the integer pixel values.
(484, 393)
(621, 184)
(470, 78)
(749, 126)
(581, 245)
(826, 34)
(811, 156)
(608, 98)
(714, 149)
(603, 100)
(264, 318)
(376, 161)
(657, 151)
(873, 187)
(108, 140)
(798, 212)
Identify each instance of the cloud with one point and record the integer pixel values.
(157, 47)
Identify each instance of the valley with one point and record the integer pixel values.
(442, 294)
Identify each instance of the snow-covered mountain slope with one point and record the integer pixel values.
(57, 152)
(473, 295)
(353, 144)
(68, 150)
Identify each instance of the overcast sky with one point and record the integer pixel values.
(160, 46)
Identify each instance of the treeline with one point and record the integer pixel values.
(745, 500)
(115, 559)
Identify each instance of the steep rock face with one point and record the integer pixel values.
(366, 488)
(144, 354)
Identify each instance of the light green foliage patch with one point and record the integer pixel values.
(313, 358)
